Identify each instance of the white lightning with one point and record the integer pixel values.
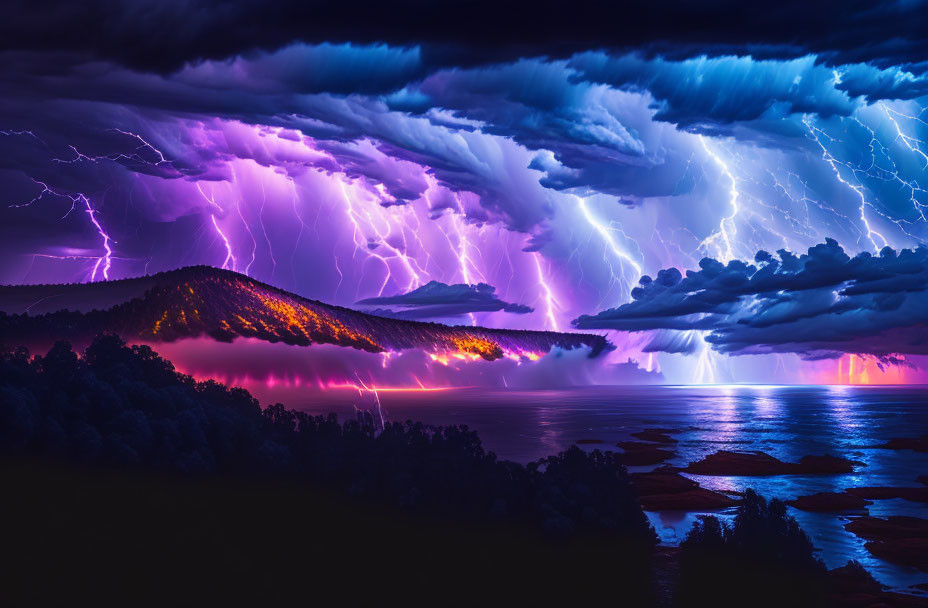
(548, 294)
(727, 229)
(815, 132)
(606, 234)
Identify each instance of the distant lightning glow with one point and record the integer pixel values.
(463, 256)
(705, 372)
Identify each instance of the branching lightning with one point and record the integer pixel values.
(617, 251)
(818, 135)
(230, 257)
(106, 260)
(727, 231)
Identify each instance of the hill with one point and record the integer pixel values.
(205, 301)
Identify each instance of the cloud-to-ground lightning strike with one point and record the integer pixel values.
(229, 261)
(368, 245)
(106, 260)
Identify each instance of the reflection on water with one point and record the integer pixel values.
(786, 422)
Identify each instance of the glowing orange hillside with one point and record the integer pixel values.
(204, 301)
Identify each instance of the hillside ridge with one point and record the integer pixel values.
(223, 304)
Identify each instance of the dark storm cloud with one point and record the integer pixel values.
(596, 115)
(688, 92)
(818, 304)
(339, 69)
(163, 35)
(510, 133)
(178, 115)
(436, 300)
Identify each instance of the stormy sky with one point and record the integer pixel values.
(556, 154)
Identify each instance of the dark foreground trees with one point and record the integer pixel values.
(126, 407)
(123, 476)
(124, 482)
(763, 559)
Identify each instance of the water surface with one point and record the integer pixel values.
(787, 422)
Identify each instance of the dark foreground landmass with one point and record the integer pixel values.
(127, 483)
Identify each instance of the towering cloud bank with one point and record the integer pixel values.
(821, 304)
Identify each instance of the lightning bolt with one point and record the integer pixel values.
(106, 260)
(464, 259)
(230, 257)
(816, 133)
(254, 243)
(727, 229)
(547, 293)
(605, 232)
(912, 143)
(135, 156)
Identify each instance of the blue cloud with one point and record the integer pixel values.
(823, 303)
(436, 300)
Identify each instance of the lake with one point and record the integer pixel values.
(787, 422)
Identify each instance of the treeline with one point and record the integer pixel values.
(125, 409)
(125, 406)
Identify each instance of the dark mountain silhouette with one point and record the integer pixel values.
(205, 301)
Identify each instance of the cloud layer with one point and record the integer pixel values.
(133, 32)
(819, 305)
(436, 300)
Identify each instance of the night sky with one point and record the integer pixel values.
(532, 165)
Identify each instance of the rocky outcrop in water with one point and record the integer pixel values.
(638, 453)
(903, 540)
(757, 464)
(851, 586)
(918, 494)
(666, 490)
(919, 444)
